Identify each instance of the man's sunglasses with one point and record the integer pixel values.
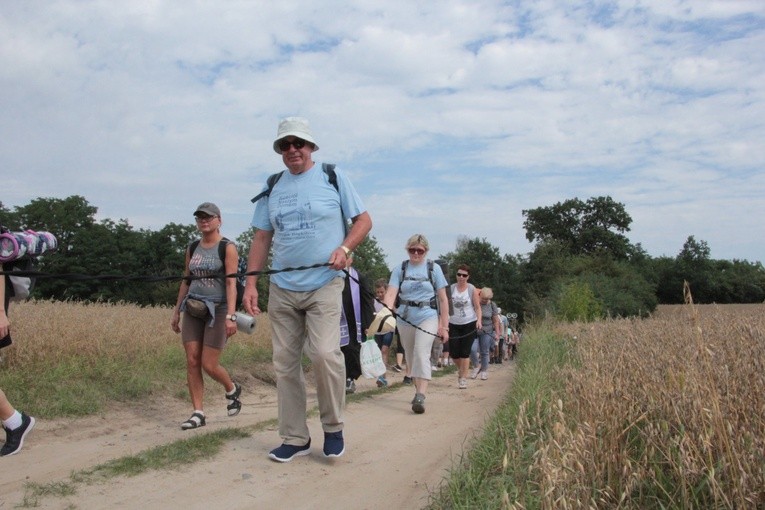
(298, 143)
(463, 275)
(416, 251)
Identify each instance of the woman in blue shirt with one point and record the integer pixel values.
(422, 314)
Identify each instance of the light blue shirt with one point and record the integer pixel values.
(417, 289)
(304, 213)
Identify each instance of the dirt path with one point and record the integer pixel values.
(393, 459)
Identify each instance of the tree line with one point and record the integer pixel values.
(582, 265)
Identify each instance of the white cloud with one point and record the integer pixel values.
(452, 117)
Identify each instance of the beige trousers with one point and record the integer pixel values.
(307, 322)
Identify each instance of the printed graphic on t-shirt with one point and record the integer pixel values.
(413, 287)
(460, 306)
(294, 220)
(204, 265)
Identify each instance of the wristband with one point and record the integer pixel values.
(345, 249)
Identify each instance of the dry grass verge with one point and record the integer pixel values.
(71, 359)
(664, 412)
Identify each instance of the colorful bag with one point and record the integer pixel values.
(20, 249)
(16, 245)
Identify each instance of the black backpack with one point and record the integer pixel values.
(241, 267)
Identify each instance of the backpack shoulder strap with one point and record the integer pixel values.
(329, 169)
(270, 183)
(193, 246)
(432, 275)
(222, 251)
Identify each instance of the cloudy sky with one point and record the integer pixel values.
(450, 116)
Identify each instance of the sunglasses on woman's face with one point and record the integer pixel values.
(298, 143)
(416, 251)
(462, 275)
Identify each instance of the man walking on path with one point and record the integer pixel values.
(302, 218)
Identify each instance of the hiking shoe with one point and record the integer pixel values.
(234, 404)
(350, 386)
(397, 368)
(14, 439)
(484, 375)
(382, 382)
(287, 452)
(418, 404)
(474, 372)
(407, 380)
(334, 445)
(462, 383)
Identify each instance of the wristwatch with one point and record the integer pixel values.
(231, 317)
(345, 249)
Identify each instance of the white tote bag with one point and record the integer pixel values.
(372, 365)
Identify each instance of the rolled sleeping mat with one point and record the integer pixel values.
(245, 323)
(15, 245)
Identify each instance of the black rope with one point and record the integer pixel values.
(157, 278)
(152, 278)
(397, 316)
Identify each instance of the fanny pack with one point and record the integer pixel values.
(196, 308)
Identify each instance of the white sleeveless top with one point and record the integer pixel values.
(464, 313)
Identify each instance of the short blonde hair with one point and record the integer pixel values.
(487, 293)
(418, 239)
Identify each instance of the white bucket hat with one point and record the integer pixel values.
(384, 322)
(297, 127)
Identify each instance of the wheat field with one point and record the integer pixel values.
(663, 412)
(75, 359)
(45, 331)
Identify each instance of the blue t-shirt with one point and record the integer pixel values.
(417, 287)
(304, 213)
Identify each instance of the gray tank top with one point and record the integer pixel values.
(206, 262)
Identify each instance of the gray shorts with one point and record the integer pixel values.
(197, 330)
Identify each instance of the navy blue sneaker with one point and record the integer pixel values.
(287, 452)
(334, 446)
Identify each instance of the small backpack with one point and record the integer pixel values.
(241, 266)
